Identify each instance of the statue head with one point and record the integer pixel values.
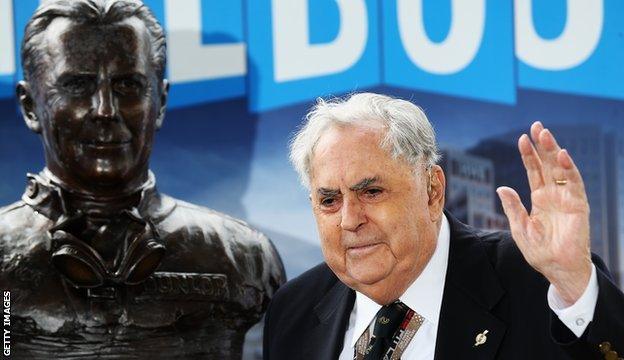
(94, 89)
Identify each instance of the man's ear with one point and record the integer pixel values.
(435, 191)
(27, 105)
(164, 96)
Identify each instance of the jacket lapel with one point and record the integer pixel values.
(333, 312)
(471, 291)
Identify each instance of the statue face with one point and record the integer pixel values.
(98, 102)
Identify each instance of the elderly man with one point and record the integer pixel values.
(98, 263)
(404, 279)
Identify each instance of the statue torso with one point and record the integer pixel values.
(214, 282)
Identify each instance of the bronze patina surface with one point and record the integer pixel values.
(98, 262)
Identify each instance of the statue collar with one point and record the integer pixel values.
(47, 195)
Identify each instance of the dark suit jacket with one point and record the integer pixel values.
(489, 286)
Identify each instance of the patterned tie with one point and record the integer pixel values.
(387, 322)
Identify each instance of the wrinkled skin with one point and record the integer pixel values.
(378, 217)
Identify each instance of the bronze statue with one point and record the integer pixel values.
(98, 262)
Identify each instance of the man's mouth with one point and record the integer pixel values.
(103, 145)
(361, 250)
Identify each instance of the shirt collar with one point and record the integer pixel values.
(430, 283)
(47, 195)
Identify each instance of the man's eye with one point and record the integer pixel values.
(78, 85)
(372, 192)
(327, 202)
(128, 86)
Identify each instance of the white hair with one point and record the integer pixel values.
(408, 132)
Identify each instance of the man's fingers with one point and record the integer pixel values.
(548, 154)
(561, 167)
(556, 163)
(567, 164)
(512, 205)
(532, 162)
(536, 129)
(548, 141)
(515, 212)
(544, 146)
(571, 173)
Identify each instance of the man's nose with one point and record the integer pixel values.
(104, 103)
(352, 216)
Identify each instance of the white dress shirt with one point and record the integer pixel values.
(431, 283)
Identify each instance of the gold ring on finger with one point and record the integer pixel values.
(561, 181)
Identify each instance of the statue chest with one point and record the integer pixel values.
(174, 314)
(159, 301)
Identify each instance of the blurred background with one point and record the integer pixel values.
(245, 72)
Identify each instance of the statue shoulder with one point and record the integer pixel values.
(13, 213)
(19, 223)
(221, 243)
(216, 226)
(24, 247)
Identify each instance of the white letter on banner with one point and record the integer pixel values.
(459, 48)
(580, 36)
(7, 48)
(189, 60)
(293, 55)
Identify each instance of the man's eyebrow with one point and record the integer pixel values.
(328, 192)
(364, 183)
(130, 75)
(71, 73)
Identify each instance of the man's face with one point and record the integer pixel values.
(377, 226)
(97, 101)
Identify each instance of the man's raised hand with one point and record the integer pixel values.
(554, 236)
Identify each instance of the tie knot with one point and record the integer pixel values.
(388, 319)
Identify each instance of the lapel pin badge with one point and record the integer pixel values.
(481, 338)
